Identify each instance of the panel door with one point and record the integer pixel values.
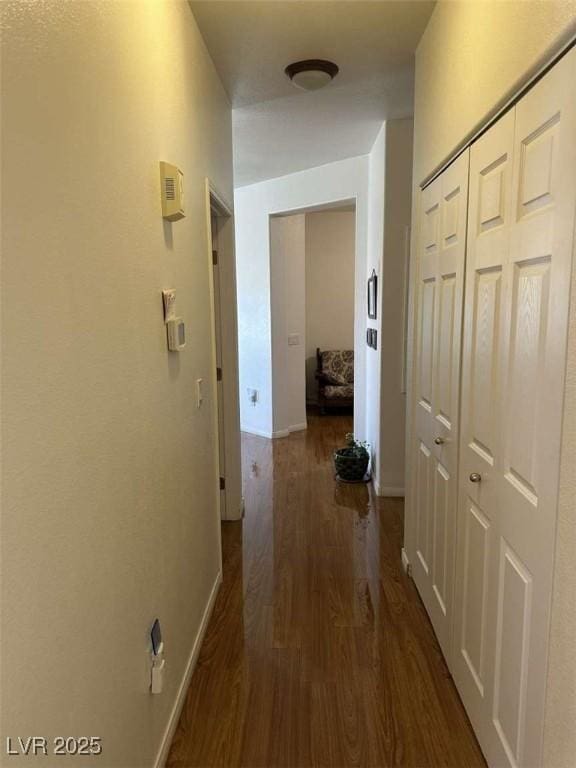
(441, 262)
(421, 444)
(489, 225)
(517, 294)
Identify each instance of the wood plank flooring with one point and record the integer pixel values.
(319, 651)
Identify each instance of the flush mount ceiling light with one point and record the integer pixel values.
(311, 74)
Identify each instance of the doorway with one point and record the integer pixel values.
(225, 354)
(313, 309)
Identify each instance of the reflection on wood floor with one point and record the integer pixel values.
(319, 651)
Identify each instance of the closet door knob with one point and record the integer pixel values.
(439, 440)
(475, 477)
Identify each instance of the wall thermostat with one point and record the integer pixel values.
(176, 331)
(172, 186)
(169, 302)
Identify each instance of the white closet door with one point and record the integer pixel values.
(436, 394)
(490, 216)
(522, 201)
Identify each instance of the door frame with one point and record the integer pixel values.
(217, 207)
(328, 206)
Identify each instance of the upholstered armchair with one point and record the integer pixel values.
(335, 376)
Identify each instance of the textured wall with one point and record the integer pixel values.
(374, 257)
(389, 215)
(287, 296)
(109, 495)
(396, 224)
(471, 57)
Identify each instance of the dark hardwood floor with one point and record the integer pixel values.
(319, 651)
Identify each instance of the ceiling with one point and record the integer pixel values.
(279, 129)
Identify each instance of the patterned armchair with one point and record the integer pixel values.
(335, 376)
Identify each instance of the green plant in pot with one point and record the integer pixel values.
(351, 462)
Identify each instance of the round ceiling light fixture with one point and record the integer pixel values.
(311, 74)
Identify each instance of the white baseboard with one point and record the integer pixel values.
(289, 430)
(390, 490)
(257, 432)
(387, 490)
(236, 514)
(278, 433)
(166, 743)
(406, 562)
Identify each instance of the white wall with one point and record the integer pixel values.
(471, 58)
(329, 286)
(398, 200)
(109, 514)
(389, 216)
(344, 180)
(287, 296)
(498, 46)
(375, 245)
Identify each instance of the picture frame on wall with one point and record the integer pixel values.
(372, 295)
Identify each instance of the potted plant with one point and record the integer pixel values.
(351, 462)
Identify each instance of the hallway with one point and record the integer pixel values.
(319, 651)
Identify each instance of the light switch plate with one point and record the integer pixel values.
(293, 339)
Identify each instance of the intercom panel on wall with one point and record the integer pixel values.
(172, 190)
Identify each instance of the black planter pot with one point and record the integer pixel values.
(351, 467)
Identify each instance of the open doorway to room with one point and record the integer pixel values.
(329, 253)
(312, 300)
